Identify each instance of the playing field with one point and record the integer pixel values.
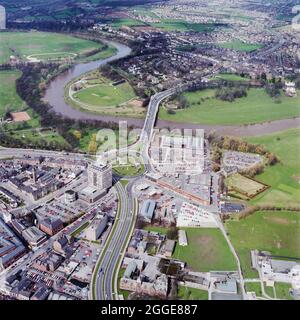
(257, 107)
(276, 232)
(9, 100)
(105, 95)
(207, 250)
(284, 177)
(42, 45)
(241, 46)
(245, 186)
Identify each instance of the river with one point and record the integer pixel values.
(54, 95)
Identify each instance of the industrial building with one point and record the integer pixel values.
(147, 210)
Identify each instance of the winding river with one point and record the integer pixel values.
(55, 96)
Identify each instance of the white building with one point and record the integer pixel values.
(178, 153)
(2, 18)
(182, 239)
(280, 271)
(100, 176)
(191, 215)
(94, 231)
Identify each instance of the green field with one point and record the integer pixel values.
(118, 23)
(230, 77)
(254, 287)
(185, 293)
(276, 232)
(161, 230)
(257, 107)
(104, 140)
(129, 170)
(105, 95)
(10, 100)
(283, 291)
(207, 250)
(241, 46)
(284, 177)
(33, 137)
(42, 45)
(244, 186)
(179, 25)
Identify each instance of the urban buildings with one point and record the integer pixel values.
(100, 176)
(34, 236)
(51, 226)
(96, 228)
(147, 210)
(11, 248)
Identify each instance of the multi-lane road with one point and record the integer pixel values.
(107, 266)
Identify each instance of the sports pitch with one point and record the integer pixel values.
(42, 46)
(245, 186)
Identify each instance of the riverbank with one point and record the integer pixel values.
(55, 96)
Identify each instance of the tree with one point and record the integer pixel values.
(172, 233)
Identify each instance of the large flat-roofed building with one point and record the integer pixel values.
(94, 231)
(2, 18)
(34, 236)
(147, 210)
(91, 194)
(99, 176)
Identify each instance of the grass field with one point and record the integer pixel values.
(50, 45)
(33, 137)
(257, 107)
(241, 46)
(244, 185)
(276, 232)
(231, 77)
(105, 95)
(185, 293)
(284, 178)
(9, 100)
(254, 287)
(179, 25)
(283, 291)
(97, 94)
(107, 140)
(207, 250)
(118, 23)
(161, 230)
(129, 170)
